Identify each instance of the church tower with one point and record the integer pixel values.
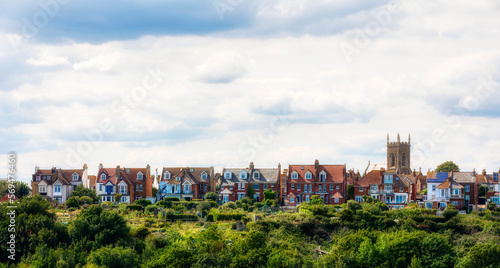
(398, 156)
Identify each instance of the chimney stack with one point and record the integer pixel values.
(117, 174)
(252, 166)
(37, 168)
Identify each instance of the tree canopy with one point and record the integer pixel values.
(447, 166)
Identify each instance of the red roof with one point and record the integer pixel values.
(334, 173)
(374, 177)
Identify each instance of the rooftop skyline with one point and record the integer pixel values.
(223, 83)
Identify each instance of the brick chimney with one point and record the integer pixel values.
(117, 174)
(484, 172)
(252, 166)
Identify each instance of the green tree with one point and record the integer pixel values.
(143, 202)
(483, 189)
(316, 200)
(72, 202)
(353, 205)
(117, 197)
(211, 196)
(250, 192)
(481, 255)
(203, 206)
(21, 188)
(82, 191)
(447, 166)
(155, 191)
(99, 227)
(350, 192)
(114, 257)
(449, 213)
(269, 194)
(86, 199)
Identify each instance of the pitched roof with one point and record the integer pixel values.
(464, 177)
(92, 180)
(226, 191)
(374, 177)
(337, 195)
(446, 185)
(372, 167)
(334, 173)
(64, 176)
(191, 174)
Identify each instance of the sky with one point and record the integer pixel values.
(225, 82)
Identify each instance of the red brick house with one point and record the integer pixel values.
(327, 181)
(132, 183)
(384, 186)
(186, 182)
(236, 181)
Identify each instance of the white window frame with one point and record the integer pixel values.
(308, 175)
(60, 189)
(256, 175)
(167, 175)
(42, 189)
(103, 176)
(243, 175)
(204, 175)
(75, 176)
(295, 175)
(227, 175)
(140, 176)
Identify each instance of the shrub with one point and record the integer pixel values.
(143, 202)
(449, 213)
(108, 204)
(230, 205)
(203, 206)
(134, 207)
(213, 204)
(210, 218)
(258, 204)
(246, 200)
(86, 199)
(71, 209)
(72, 202)
(141, 232)
(227, 217)
(211, 196)
(353, 205)
(171, 199)
(151, 208)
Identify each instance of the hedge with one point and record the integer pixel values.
(227, 217)
(171, 199)
(134, 207)
(182, 217)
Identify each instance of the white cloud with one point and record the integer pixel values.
(48, 60)
(222, 67)
(101, 63)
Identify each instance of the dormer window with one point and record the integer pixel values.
(256, 175)
(103, 176)
(139, 176)
(302, 168)
(204, 175)
(191, 170)
(388, 178)
(295, 175)
(322, 176)
(75, 176)
(167, 175)
(227, 175)
(308, 175)
(243, 175)
(178, 178)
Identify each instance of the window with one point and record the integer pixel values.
(124, 199)
(191, 170)
(388, 187)
(256, 175)
(295, 175)
(322, 176)
(74, 187)
(227, 175)
(187, 189)
(167, 175)
(243, 186)
(123, 189)
(428, 205)
(320, 188)
(293, 186)
(400, 199)
(103, 176)
(336, 200)
(307, 198)
(310, 187)
(298, 187)
(103, 198)
(302, 168)
(455, 203)
(204, 175)
(338, 187)
(239, 186)
(373, 187)
(256, 186)
(393, 160)
(272, 185)
(433, 187)
(37, 178)
(57, 189)
(178, 178)
(226, 199)
(403, 160)
(265, 186)
(400, 189)
(360, 189)
(467, 188)
(387, 178)
(109, 189)
(243, 175)
(331, 187)
(292, 200)
(100, 187)
(139, 175)
(231, 187)
(138, 197)
(359, 198)
(456, 191)
(298, 199)
(495, 176)
(241, 195)
(58, 199)
(75, 176)
(308, 175)
(467, 197)
(205, 187)
(42, 189)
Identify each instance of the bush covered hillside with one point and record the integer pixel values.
(247, 234)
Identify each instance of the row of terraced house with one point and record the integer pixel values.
(393, 183)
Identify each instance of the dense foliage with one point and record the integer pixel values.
(239, 234)
(447, 166)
